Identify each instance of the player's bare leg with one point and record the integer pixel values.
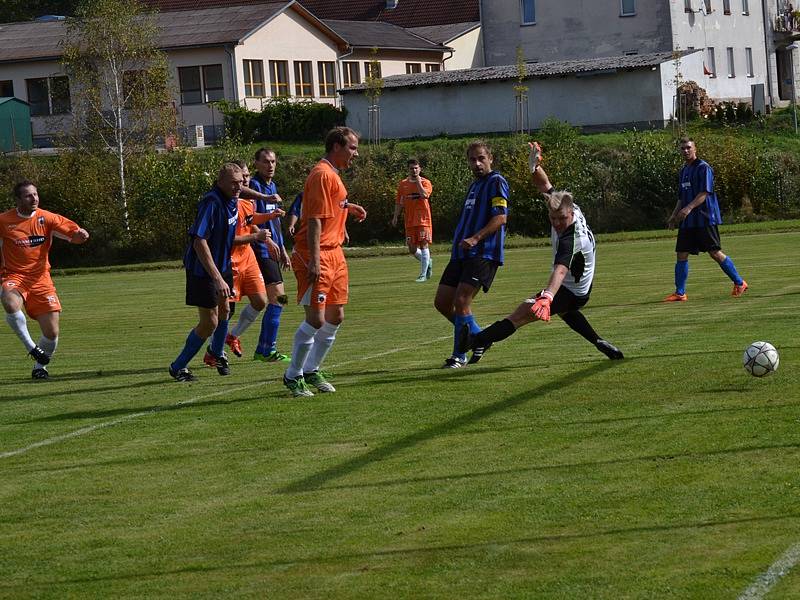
(13, 304)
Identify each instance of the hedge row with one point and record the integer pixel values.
(628, 186)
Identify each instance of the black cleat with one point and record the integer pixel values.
(223, 368)
(454, 363)
(182, 375)
(477, 353)
(40, 374)
(609, 349)
(39, 355)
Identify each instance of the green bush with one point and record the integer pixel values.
(280, 119)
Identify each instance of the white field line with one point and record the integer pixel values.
(144, 413)
(777, 570)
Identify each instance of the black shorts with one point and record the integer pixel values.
(477, 272)
(270, 270)
(695, 240)
(200, 290)
(565, 301)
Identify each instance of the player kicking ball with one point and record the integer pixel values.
(570, 282)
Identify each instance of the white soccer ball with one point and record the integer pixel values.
(760, 358)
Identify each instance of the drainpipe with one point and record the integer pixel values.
(767, 29)
(446, 59)
(483, 45)
(340, 73)
(234, 79)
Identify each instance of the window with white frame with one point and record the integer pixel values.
(413, 68)
(351, 72)
(627, 8)
(707, 6)
(48, 96)
(254, 79)
(731, 66)
(430, 67)
(303, 82)
(748, 60)
(279, 78)
(711, 61)
(745, 7)
(528, 11)
(326, 72)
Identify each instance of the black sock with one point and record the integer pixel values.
(497, 331)
(577, 322)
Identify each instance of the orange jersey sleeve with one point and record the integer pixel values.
(324, 198)
(27, 240)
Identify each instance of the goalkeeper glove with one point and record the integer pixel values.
(541, 308)
(534, 156)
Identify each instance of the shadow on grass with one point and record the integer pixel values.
(318, 480)
(57, 377)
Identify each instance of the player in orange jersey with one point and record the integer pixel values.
(413, 197)
(26, 233)
(319, 264)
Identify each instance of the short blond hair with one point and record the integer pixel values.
(558, 200)
(229, 168)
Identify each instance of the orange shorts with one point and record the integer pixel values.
(247, 279)
(416, 235)
(38, 292)
(332, 287)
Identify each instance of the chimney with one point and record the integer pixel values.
(391, 4)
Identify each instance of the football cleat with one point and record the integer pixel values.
(182, 375)
(421, 279)
(676, 297)
(40, 374)
(209, 359)
(738, 290)
(319, 381)
(477, 354)
(223, 368)
(273, 356)
(454, 363)
(234, 344)
(39, 355)
(609, 349)
(297, 386)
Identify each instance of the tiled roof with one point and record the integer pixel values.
(370, 34)
(442, 34)
(534, 70)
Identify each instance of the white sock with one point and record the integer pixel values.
(49, 346)
(246, 318)
(418, 254)
(323, 340)
(303, 341)
(425, 260)
(19, 324)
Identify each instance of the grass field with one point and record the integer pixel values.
(546, 471)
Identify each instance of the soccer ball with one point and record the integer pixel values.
(760, 358)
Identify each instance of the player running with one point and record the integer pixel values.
(26, 234)
(413, 198)
(570, 283)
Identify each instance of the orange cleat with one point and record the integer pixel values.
(738, 290)
(676, 297)
(235, 345)
(209, 359)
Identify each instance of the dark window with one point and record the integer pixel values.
(413, 68)
(6, 89)
(627, 8)
(327, 78)
(212, 83)
(528, 8)
(372, 69)
(48, 96)
(254, 78)
(352, 73)
(279, 77)
(303, 82)
(726, 6)
(189, 80)
(432, 67)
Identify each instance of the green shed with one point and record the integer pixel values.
(15, 125)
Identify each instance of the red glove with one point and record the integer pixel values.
(541, 308)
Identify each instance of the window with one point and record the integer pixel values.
(303, 82)
(48, 96)
(279, 77)
(369, 67)
(748, 59)
(627, 8)
(726, 6)
(707, 5)
(201, 84)
(413, 68)
(731, 67)
(711, 61)
(6, 89)
(745, 7)
(327, 78)
(528, 9)
(351, 73)
(687, 6)
(254, 79)
(431, 67)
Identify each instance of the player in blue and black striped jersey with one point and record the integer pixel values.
(698, 216)
(477, 248)
(570, 282)
(208, 270)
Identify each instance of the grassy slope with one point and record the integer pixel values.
(545, 471)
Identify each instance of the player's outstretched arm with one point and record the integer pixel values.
(358, 212)
(261, 218)
(79, 237)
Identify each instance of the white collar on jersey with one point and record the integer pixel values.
(331, 164)
(21, 216)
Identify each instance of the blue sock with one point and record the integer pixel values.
(193, 344)
(681, 275)
(457, 326)
(730, 270)
(474, 328)
(269, 329)
(218, 339)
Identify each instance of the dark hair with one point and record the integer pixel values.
(339, 135)
(239, 163)
(412, 161)
(685, 140)
(479, 144)
(19, 187)
(261, 151)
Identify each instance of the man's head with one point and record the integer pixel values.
(560, 209)
(266, 162)
(414, 168)
(245, 171)
(26, 196)
(688, 149)
(341, 146)
(479, 157)
(230, 180)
